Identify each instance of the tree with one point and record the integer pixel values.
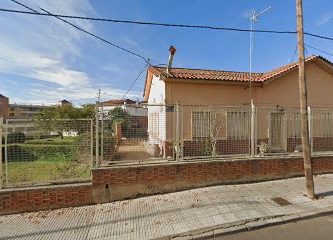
(215, 129)
(117, 115)
(61, 118)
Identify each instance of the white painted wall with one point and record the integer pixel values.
(157, 97)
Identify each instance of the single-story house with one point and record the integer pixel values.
(210, 98)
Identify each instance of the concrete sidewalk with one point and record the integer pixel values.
(185, 215)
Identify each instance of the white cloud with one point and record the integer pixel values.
(324, 19)
(130, 41)
(62, 77)
(46, 49)
(38, 47)
(77, 93)
(111, 68)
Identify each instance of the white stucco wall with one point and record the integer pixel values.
(157, 114)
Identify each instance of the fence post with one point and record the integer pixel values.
(177, 132)
(97, 135)
(92, 142)
(253, 148)
(102, 134)
(310, 129)
(181, 132)
(6, 152)
(1, 170)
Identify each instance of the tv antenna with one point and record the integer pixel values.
(253, 18)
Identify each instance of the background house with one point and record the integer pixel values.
(137, 116)
(4, 106)
(18, 111)
(215, 105)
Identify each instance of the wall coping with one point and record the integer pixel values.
(51, 187)
(216, 160)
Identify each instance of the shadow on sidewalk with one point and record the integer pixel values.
(325, 194)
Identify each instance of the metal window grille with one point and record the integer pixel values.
(238, 125)
(201, 124)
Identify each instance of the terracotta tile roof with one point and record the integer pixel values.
(205, 74)
(286, 68)
(223, 76)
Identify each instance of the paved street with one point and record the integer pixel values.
(312, 229)
(211, 210)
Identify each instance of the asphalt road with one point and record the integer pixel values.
(316, 229)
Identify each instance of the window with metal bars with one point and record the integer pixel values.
(326, 122)
(238, 125)
(201, 123)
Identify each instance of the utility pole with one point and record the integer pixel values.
(304, 103)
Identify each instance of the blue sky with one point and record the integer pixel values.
(43, 60)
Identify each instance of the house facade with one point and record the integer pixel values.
(206, 99)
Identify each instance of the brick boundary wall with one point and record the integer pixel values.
(29, 199)
(122, 182)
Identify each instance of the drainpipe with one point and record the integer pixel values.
(172, 51)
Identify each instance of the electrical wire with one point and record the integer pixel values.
(82, 30)
(91, 34)
(294, 54)
(319, 50)
(60, 17)
(164, 24)
(147, 23)
(134, 81)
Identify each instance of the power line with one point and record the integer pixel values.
(318, 36)
(147, 23)
(164, 24)
(91, 34)
(80, 29)
(294, 54)
(134, 81)
(319, 50)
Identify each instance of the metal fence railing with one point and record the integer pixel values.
(184, 132)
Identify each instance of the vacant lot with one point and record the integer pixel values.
(48, 160)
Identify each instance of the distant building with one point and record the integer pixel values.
(19, 111)
(4, 106)
(65, 102)
(117, 102)
(138, 114)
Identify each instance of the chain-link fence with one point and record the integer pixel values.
(321, 130)
(179, 132)
(46, 151)
(53, 151)
(278, 131)
(211, 131)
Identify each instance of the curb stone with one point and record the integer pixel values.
(249, 225)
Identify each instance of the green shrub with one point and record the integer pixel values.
(30, 152)
(16, 137)
(53, 141)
